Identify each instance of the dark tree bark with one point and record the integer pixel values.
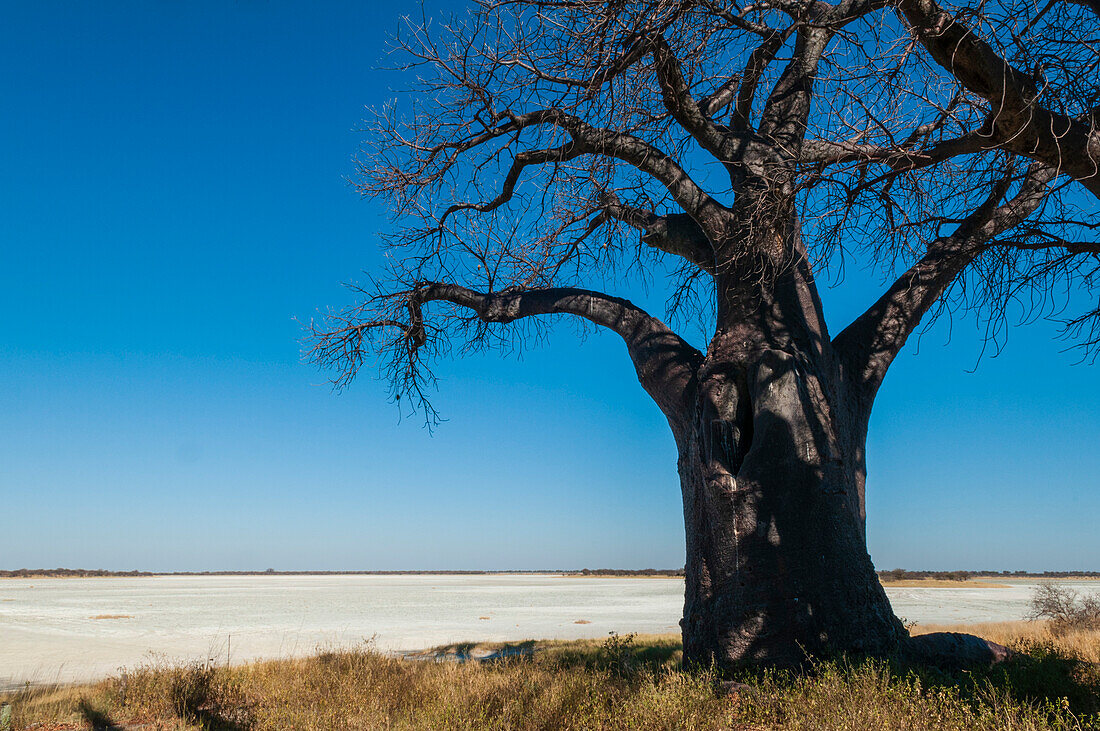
(610, 104)
(772, 460)
(770, 468)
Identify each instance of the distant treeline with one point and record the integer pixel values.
(80, 573)
(890, 575)
(273, 572)
(67, 573)
(904, 574)
(628, 572)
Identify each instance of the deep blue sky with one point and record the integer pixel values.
(174, 194)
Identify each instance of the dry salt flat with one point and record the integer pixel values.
(62, 630)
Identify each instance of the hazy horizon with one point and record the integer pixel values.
(177, 207)
(475, 570)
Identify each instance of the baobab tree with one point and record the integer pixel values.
(549, 150)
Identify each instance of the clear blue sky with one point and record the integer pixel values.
(174, 194)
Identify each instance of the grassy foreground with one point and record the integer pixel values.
(624, 682)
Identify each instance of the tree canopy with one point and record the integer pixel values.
(551, 144)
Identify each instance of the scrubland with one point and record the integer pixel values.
(625, 682)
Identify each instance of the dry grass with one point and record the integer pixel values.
(623, 683)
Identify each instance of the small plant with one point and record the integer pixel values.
(1065, 608)
(618, 650)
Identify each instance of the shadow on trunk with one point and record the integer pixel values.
(778, 568)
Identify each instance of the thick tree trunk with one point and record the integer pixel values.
(771, 470)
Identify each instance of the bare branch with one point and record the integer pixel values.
(868, 346)
(665, 363)
(716, 139)
(1019, 120)
(674, 233)
(785, 115)
(899, 158)
(587, 139)
(522, 160)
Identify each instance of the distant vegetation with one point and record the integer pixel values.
(906, 575)
(626, 682)
(1065, 609)
(67, 573)
(891, 575)
(628, 572)
(903, 575)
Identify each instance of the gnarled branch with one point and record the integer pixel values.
(673, 233)
(716, 139)
(1018, 120)
(665, 363)
(590, 140)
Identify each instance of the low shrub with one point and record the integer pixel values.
(1066, 609)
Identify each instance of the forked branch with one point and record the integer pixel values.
(868, 346)
(586, 139)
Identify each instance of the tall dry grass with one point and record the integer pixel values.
(625, 683)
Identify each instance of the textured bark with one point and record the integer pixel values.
(777, 566)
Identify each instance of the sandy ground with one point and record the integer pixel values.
(80, 629)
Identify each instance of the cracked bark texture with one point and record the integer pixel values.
(777, 561)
